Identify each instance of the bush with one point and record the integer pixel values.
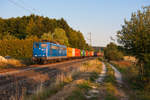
(16, 48)
(111, 52)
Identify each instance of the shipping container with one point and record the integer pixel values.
(73, 52)
(90, 53)
(77, 52)
(69, 52)
(86, 53)
(98, 54)
(95, 54)
(81, 53)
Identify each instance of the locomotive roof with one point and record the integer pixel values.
(52, 44)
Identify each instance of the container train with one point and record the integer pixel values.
(44, 52)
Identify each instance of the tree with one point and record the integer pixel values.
(60, 36)
(9, 37)
(77, 40)
(111, 52)
(30, 27)
(47, 36)
(34, 25)
(32, 37)
(135, 37)
(2, 24)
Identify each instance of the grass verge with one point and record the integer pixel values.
(81, 91)
(131, 79)
(88, 71)
(11, 63)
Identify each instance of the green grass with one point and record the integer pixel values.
(93, 76)
(110, 97)
(84, 86)
(76, 95)
(122, 69)
(101, 58)
(130, 76)
(110, 75)
(82, 89)
(45, 93)
(79, 93)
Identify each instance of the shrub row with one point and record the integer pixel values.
(16, 48)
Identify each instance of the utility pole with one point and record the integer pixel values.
(90, 39)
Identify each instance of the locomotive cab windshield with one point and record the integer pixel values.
(43, 45)
(40, 49)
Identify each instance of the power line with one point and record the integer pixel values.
(20, 6)
(32, 8)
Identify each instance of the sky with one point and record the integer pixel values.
(101, 18)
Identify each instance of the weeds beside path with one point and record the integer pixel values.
(92, 81)
(64, 83)
(82, 83)
(110, 88)
(132, 85)
(83, 88)
(118, 77)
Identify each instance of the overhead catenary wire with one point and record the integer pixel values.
(25, 6)
(32, 8)
(20, 6)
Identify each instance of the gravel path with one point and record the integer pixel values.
(102, 75)
(118, 77)
(95, 92)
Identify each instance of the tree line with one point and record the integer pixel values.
(14, 31)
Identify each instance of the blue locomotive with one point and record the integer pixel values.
(44, 51)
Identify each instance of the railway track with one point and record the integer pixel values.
(13, 83)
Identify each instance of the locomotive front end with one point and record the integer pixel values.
(40, 51)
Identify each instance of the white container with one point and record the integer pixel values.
(73, 52)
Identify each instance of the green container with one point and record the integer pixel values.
(81, 52)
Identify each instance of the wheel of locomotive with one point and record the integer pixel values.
(34, 61)
(41, 61)
(44, 62)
